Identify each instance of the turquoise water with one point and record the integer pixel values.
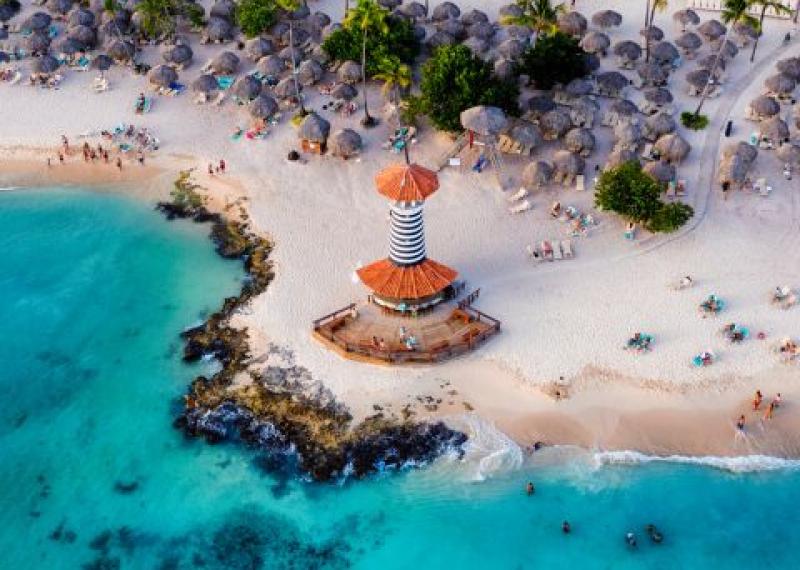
(94, 289)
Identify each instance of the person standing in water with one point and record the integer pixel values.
(757, 399)
(529, 488)
(770, 411)
(565, 527)
(740, 424)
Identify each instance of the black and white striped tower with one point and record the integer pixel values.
(406, 233)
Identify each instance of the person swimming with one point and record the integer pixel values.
(565, 527)
(530, 489)
(654, 534)
(630, 538)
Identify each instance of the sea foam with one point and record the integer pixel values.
(734, 464)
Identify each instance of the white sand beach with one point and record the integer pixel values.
(563, 323)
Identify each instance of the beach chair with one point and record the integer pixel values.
(566, 247)
(580, 183)
(759, 185)
(523, 206)
(547, 250)
(557, 253)
(647, 153)
(680, 189)
(765, 191)
(671, 192)
(519, 195)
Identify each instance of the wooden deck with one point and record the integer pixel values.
(367, 332)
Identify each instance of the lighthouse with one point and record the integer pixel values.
(407, 280)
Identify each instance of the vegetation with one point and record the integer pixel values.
(392, 37)
(693, 121)
(158, 17)
(369, 17)
(290, 6)
(659, 5)
(539, 15)
(255, 16)
(777, 7)
(395, 75)
(631, 193)
(454, 80)
(184, 193)
(556, 58)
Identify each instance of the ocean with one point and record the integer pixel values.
(95, 288)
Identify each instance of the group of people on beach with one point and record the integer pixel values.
(769, 411)
(91, 154)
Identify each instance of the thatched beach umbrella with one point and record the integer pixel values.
(504, 69)
(8, 11)
(163, 75)
(37, 21)
(226, 63)
(621, 109)
(711, 30)
(567, 165)
(289, 54)
(580, 141)
(263, 107)
(627, 134)
(319, 55)
(37, 43)
(689, 42)
(445, 11)
(46, 64)
(554, 124)
(732, 170)
(712, 61)
(789, 66)
(686, 17)
(310, 72)
(729, 49)
(181, 55)
(205, 84)
(60, 7)
(620, 156)
(83, 34)
(595, 42)
(474, 17)
(453, 27)
(606, 19)
(121, 50)
(349, 72)
(627, 51)
(572, 23)
(81, 17)
(698, 78)
(271, 66)
(314, 128)
(258, 48)
(774, 129)
(484, 120)
(102, 62)
(652, 33)
(660, 171)
(658, 125)
(440, 38)
(747, 152)
(517, 32)
(578, 87)
(246, 88)
(483, 30)
(413, 10)
(763, 107)
(673, 147)
(511, 48)
(780, 85)
(219, 30)
(745, 31)
(344, 92)
(4, 57)
(477, 46)
(789, 153)
(319, 20)
(223, 9)
(536, 174)
(68, 46)
(345, 143)
(652, 74)
(658, 95)
(538, 105)
(285, 89)
(612, 83)
(582, 111)
(526, 133)
(664, 53)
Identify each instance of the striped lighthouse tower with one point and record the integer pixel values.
(407, 279)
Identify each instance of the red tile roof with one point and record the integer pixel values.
(406, 182)
(413, 282)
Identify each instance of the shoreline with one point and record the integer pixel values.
(604, 410)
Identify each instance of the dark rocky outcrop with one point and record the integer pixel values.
(282, 410)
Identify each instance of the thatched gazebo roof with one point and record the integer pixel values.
(477, 46)
(511, 48)
(37, 21)
(271, 65)
(349, 72)
(484, 120)
(83, 34)
(774, 129)
(314, 128)
(205, 84)
(698, 78)
(554, 124)
(580, 141)
(538, 105)
(37, 43)
(627, 50)
(345, 143)
(747, 152)
(572, 23)
(102, 62)
(285, 89)
(764, 106)
(595, 42)
(780, 84)
(673, 147)
(652, 33)
(732, 170)
(537, 173)
(612, 83)
(453, 27)
(246, 88)
(474, 17)
(226, 63)
(623, 108)
(263, 107)
(413, 10)
(658, 125)
(526, 133)
(257, 48)
(121, 50)
(627, 134)
(606, 19)
(686, 17)
(660, 171)
(81, 17)
(440, 38)
(578, 87)
(445, 11)
(67, 46)
(163, 75)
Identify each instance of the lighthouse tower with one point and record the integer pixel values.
(407, 280)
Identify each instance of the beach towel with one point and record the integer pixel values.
(237, 135)
(225, 81)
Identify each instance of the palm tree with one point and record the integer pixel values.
(649, 16)
(765, 5)
(290, 6)
(157, 17)
(369, 16)
(733, 12)
(395, 75)
(539, 15)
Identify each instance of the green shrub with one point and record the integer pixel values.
(399, 41)
(633, 194)
(255, 16)
(454, 80)
(555, 58)
(694, 122)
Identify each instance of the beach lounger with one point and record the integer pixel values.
(680, 189)
(647, 153)
(580, 183)
(523, 206)
(546, 249)
(557, 253)
(566, 246)
(519, 195)
(671, 191)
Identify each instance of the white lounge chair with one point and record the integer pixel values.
(566, 246)
(519, 195)
(580, 183)
(523, 206)
(557, 254)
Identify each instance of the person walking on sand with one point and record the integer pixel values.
(119, 164)
(740, 424)
(61, 157)
(770, 411)
(757, 399)
(210, 169)
(65, 144)
(777, 400)
(222, 166)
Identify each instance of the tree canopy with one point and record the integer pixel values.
(631, 193)
(454, 80)
(255, 16)
(555, 58)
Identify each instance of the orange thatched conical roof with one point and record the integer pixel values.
(412, 282)
(406, 182)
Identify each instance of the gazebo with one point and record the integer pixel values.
(407, 280)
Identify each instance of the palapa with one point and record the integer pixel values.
(698, 78)
(620, 156)
(710, 61)
(257, 48)
(536, 174)
(349, 72)
(84, 34)
(314, 129)
(578, 87)
(310, 72)
(780, 85)
(554, 124)
(789, 66)
(121, 50)
(732, 170)
(664, 53)
(101, 62)
(651, 73)
(790, 154)
(517, 32)
(508, 12)
(81, 17)
(60, 7)
(606, 19)
(526, 134)
(658, 125)
(658, 95)
(226, 63)
(745, 31)
(747, 152)
(474, 17)
(686, 17)
(390, 4)
(511, 48)
(445, 11)
(453, 27)
(595, 42)
(205, 84)
(178, 55)
(37, 21)
(344, 92)
(652, 33)
(627, 135)
(263, 107)
(538, 105)
(582, 111)
(37, 43)
(484, 120)
(774, 129)
(246, 88)
(620, 110)
(413, 10)
(689, 42)
(763, 107)
(46, 64)
(319, 20)
(285, 89)
(345, 143)
(477, 46)
(580, 141)
(673, 147)
(219, 30)
(483, 30)
(659, 171)
(612, 83)
(290, 54)
(572, 23)
(271, 66)
(711, 30)
(567, 165)
(68, 46)
(504, 69)
(440, 38)
(223, 9)
(163, 75)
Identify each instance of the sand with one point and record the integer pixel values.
(563, 323)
